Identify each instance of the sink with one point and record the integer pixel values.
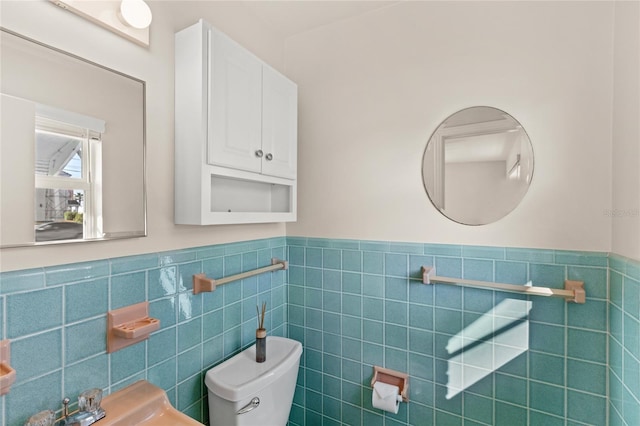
(142, 404)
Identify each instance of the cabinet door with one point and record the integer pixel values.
(279, 124)
(235, 92)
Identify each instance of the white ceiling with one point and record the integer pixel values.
(289, 18)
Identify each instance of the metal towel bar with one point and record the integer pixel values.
(573, 290)
(203, 284)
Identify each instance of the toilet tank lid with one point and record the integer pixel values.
(241, 376)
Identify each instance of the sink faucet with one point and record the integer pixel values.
(89, 410)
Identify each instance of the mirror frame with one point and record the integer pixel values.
(424, 154)
(114, 236)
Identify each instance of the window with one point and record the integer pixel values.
(68, 196)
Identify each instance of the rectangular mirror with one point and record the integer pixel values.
(72, 147)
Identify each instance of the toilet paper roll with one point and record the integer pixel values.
(386, 397)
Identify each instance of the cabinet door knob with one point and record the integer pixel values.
(269, 157)
(259, 153)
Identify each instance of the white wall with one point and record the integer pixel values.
(625, 208)
(43, 21)
(16, 161)
(372, 89)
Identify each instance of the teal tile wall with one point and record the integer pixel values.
(56, 320)
(624, 341)
(355, 304)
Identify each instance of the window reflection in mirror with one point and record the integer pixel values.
(477, 165)
(68, 197)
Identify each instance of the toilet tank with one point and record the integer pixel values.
(234, 383)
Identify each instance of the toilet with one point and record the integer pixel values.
(243, 392)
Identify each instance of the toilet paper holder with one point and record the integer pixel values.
(391, 377)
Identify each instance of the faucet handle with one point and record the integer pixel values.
(90, 400)
(65, 407)
(43, 418)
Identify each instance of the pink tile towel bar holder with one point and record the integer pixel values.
(573, 290)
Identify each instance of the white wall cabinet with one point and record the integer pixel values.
(235, 133)
(279, 124)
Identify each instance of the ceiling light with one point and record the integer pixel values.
(135, 13)
(129, 18)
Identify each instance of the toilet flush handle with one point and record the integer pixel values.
(250, 406)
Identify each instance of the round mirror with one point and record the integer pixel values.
(477, 165)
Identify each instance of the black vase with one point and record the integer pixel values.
(261, 345)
